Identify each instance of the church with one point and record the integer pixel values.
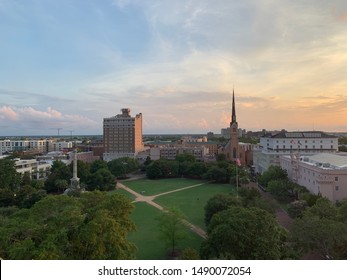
(240, 153)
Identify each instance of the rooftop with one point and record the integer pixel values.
(300, 134)
(325, 160)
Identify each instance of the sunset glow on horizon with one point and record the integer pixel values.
(69, 64)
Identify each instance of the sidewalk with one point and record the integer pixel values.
(282, 216)
(149, 200)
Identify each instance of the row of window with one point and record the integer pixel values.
(306, 141)
(306, 147)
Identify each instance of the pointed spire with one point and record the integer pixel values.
(233, 113)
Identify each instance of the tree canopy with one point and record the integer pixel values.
(321, 229)
(93, 226)
(273, 173)
(244, 233)
(219, 203)
(121, 166)
(9, 178)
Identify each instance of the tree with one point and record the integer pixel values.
(27, 196)
(162, 168)
(219, 203)
(59, 171)
(310, 198)
(61, 185)
(243, 234)
(153, 170)
(93, 226)
(97, 164)
(319, 230)
(311, 233)
(217, 174)
(7, 197)
(251, 197)
(342, 211)
(121, 166)
(281, 189)
(185, 157)
(9, 178)
(104, 232)
(297, 208)
(102, 180)
(221, 157)
(147, 161)
(26, 179)
(184, 168)
(171, 229)
(273, 173)
(196, 170)
(38, 184)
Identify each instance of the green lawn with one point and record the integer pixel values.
(153, 187)
(123, 192)
(146, 238)
(192, 201)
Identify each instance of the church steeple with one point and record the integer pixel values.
(234, 137)
(233, 111)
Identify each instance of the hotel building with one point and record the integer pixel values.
(122, 135)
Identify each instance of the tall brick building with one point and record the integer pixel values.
(122, 135)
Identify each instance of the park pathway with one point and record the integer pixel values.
(282, 216)
(149, 200)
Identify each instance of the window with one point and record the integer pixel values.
(336, 179)
(336, 188)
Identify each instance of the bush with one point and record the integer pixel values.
(297, 208)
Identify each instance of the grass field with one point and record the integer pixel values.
(192, 201)
(146, 238)
(123, 192)
(153, 187)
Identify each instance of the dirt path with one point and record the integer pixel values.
(149, 200)
(282, 216)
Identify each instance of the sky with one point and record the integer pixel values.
(70, 63)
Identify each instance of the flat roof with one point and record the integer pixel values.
(326, 159)
(300, 134)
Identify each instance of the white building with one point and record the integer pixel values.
(61, 145)
(33, 145)
(324, 173)
(272, 147)
(36, 169)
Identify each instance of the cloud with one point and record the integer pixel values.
(285, 59)
(8, 113)
(25, 119)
